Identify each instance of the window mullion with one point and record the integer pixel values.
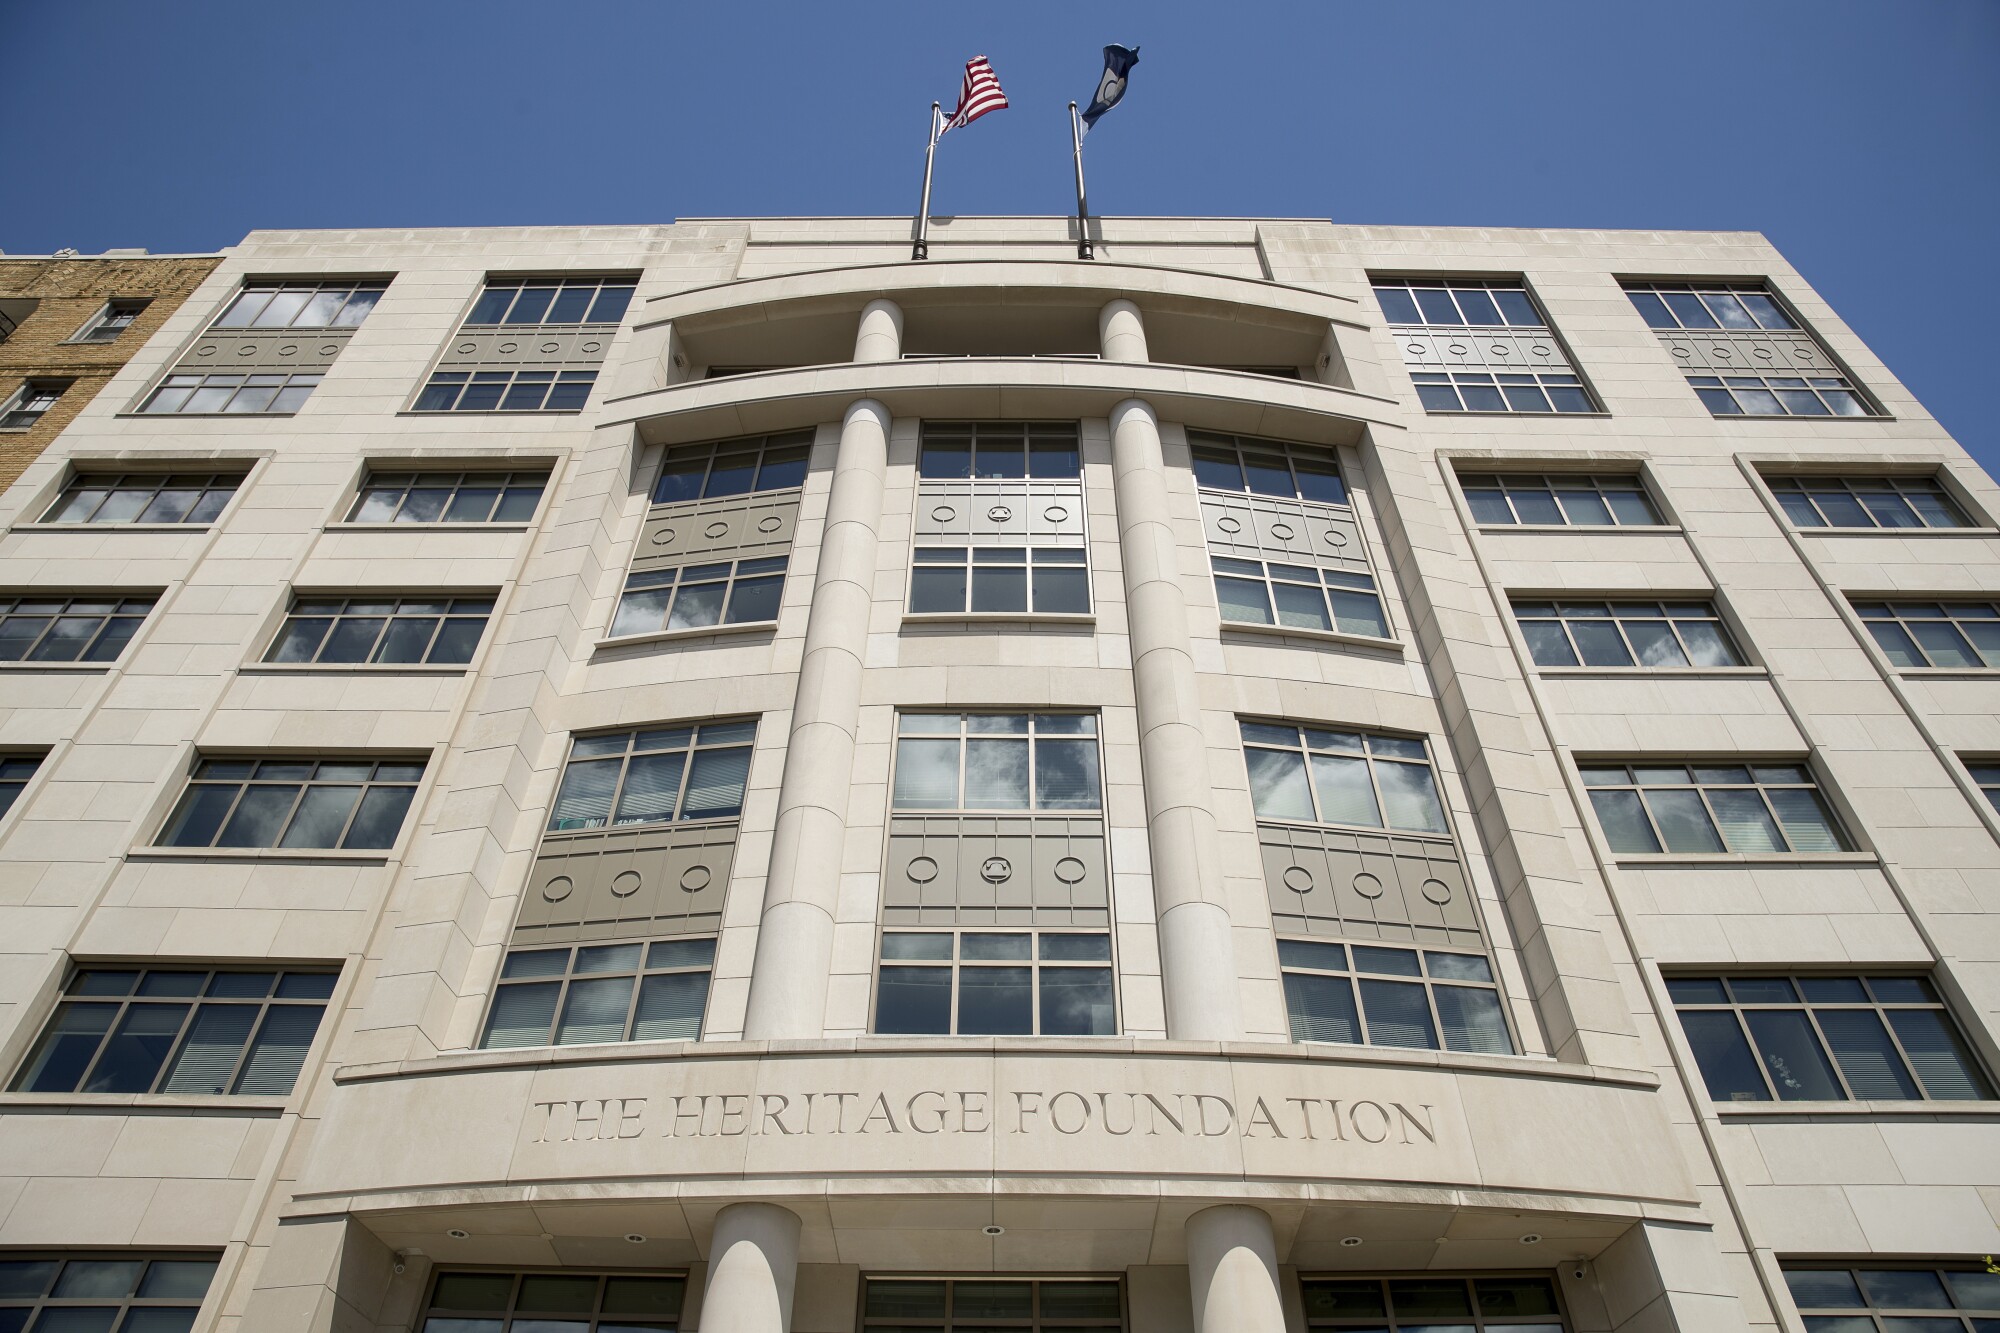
(242, 789)
(1882, 1012)
(632, 996)
(104, 1043)
(1741, 1013)
(347, 825)
(257, 1022)
(293, 808)
(1826, 1047)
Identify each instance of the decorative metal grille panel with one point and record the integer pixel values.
(1496, 349)
(1000, 512)
(729, 528)
(1722, 351)
(1044, 869)
(232, 350)
(1261, 527)
(1387, 886)
(569, 346)
(627, 883)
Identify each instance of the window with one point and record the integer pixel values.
(1047, 580)
(1986, 773)
(108, 323)
(573, 1302)
(1708, 305)
(507, 391)
(102, 497)
(1866, 502)
(735, 467)
(28, 404)
(228, 394)
(1264, 467)
(971, 1305)
(335, 304)
(352, 804)
(381, 630)
(1330, 600)
(1759, 1038)
(1779, 395)
(151, 1293)
(1408, 997)
(1472, 391)
(1839, 1299)
(1712, 808)
(15, 770)
(995, 984)
(628, 991)
(1935, 634)
(69, 629)
(997, 761)
(1651, 635)
(448, 497)
(654, 775)
(1315, 775)
(1570, 499)
(1481, 303)
(998, 449)
(545, 301)
(1418, 1304)
(739, 592)
(179, 1030)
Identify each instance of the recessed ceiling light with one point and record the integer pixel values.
(457, 1234)
(992, 1230)
(1350, 1241)
(1532, 1238)
(635, 1238)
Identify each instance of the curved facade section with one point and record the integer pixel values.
(785, 794)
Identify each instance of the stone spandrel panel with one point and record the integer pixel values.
(223, 351)
(993, 870)
(1481, 349)
(1386, 886)
(627, 883)
(737, 527)
(1262, 527)
(569, 345)
(1000, 512)
(1720, 351)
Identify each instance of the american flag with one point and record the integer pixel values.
(980, 94)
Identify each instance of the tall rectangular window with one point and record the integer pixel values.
(1867, 502)
(1479, 345)
(980, 1304)
(318, 804)
(1433, 1303)
(1653, 636)
(630, 990)
(997, 761)
(1757, 808)
(381, 631)
(69, 629)
(1743, 353)
(1562, 499)
(1894, 1298)
(1015, 983)
(390, 496)
(29, 402)
(191, 498)
(654, 775)
(86, 1291)
(1820, 1038)
(1961, 634)
(564, 1301)
(234, 1031)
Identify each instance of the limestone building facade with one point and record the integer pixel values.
(711, 776)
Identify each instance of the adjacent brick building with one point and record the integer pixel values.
(67, 323)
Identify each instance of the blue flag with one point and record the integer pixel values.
(1118, 62)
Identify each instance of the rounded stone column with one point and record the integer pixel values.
(1233, 1270)
(880, 335)
(1121, 332)
(753, 1262)
(1197, 954)
(795, 938)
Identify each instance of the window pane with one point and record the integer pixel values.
(996, 775)
(1905, 1289)
(1398, 1014)
(66, 1049)
(379, 819)
(1547, 643)
(321, 817)
(652, 786)
(715, 783)
(913, 1000)
(1941, 1059)
(1746, 825)
(1321, 1008)
(1866, 1056)
(1817, 1289)
(1471, 1020)
(279, 1051)
(133, 1056)
(1278, 787)
(670, 1007)
(1076, 1001)
(259, 817)
(1409, 797)
(1727, 1065)
(585, 798)
(521, 1014)
(994, 1002)
(1066, 775)
(1683, 822)
(594, 1011)
(1809, 827)
(1798, 1067)
(926, 774)
(208, 1057)
(1001, 589)
(1062, 591)
(1345, 794)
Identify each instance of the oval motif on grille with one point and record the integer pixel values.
(551, 347)
(289, 349)
(1415, 349)
(664, 537)
(770, 523)
(1762, 353)
(591, 347)
(330, 349)
(1456, 349)
(1335, 537)
(1282, 531)
(1228, 524)
(1298, 879)
(508, 347)
(921, 870)
(1367, 885)
(1055, 513)
(1804, 353)
(468, 348)
(1501, 350)
(1682, 353)
(207, 350)
(695, 878)
(1437, 891)
(1721, 353)
(558, 889)
(247, 349)
(715, 529)
(999, 514)
(1070, 870)
(625, 883)
(996, 870)
(943, 514)
(1543, 350)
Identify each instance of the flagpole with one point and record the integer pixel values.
(922, 249)
(1083, 247)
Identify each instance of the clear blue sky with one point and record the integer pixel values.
(1833, 126)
